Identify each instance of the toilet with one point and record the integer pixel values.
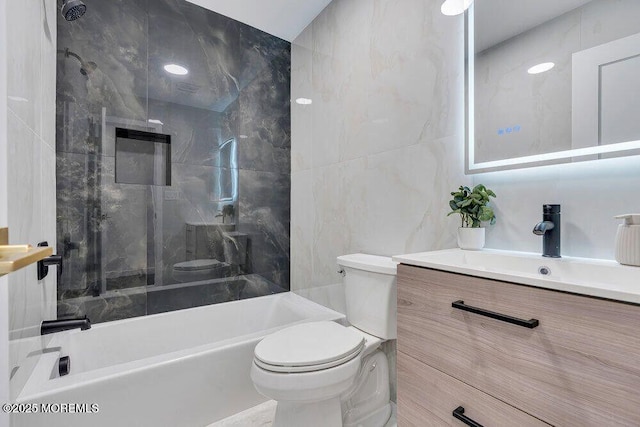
(199, 269)
(203, 265)
(324, 374)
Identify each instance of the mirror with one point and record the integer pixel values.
(551, 81)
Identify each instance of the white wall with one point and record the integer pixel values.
(591, 194)
(4, 295)
(31, 195)
(376, 154)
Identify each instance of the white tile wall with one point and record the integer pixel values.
(4, 293)
(30, 173)
(591, 194)
(24, 71)
(377, 153)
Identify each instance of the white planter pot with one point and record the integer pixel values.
(471, 239)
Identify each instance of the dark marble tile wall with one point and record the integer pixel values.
(264, 159)
(121, 241)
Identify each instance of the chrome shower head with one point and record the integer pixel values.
(73, 9)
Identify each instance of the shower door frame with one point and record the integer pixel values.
(156, 195)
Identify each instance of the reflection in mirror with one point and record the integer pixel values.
(551, 81)
(226, 182)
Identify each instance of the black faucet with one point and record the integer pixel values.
(549, 229)
(227, 211)
(53, 326)
(44, 264)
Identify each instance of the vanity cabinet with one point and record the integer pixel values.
(428, 397)
(567, 360)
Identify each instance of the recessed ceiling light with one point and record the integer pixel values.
(304, 101)
(155, 122)
(176, 69)
(455, 7)
(541, 68)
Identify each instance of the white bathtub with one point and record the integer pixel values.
(184, 368)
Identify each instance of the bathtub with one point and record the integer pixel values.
(184, 368)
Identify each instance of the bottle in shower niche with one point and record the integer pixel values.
(628, 240)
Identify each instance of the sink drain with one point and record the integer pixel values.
(545, 271)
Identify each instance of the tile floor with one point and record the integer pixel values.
(258, 416)
(262, 416)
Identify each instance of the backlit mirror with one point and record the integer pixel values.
(551, 81)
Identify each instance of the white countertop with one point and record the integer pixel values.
(592, 277)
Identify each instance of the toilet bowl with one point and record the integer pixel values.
(328, 375)
(199, 269)
(208, 243)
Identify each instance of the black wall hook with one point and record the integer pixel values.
(43, 266)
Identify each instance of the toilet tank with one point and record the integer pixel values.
(370, 291)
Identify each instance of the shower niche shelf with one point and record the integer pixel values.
(15, 257)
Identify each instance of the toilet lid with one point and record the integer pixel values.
(308, 347)
(197, 264)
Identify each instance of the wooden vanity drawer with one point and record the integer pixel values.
(579, 367)
(427, 398)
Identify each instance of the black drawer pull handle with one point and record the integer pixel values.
(459, 414)
(460, 305)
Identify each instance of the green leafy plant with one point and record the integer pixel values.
(472, 205)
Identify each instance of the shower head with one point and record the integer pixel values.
(73, 9)
(87, 68)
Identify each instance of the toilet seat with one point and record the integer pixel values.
(308, 347)
(198, 265)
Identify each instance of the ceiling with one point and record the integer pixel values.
(499, 20)
(282, 18)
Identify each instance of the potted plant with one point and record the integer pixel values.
(472, 205)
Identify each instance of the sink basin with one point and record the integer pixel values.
(598, 278)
